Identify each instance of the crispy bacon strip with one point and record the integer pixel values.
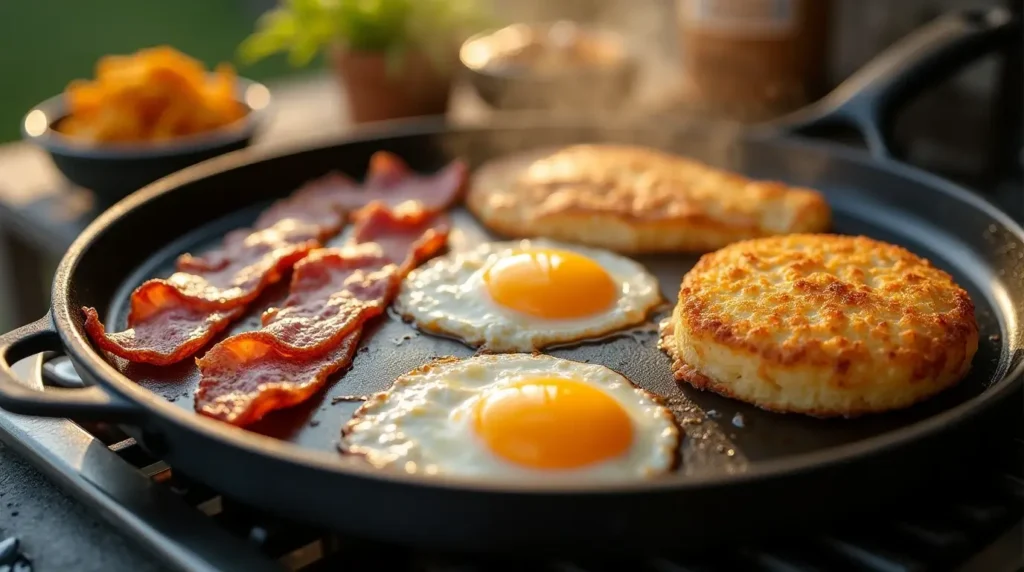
(334, 290)
(333, 293)
(171, 319)
(312, 203)
(235, 274)
(392, 182)
(281, 382)
(181, 329)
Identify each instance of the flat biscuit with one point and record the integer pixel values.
(824, 325)
(635, 200)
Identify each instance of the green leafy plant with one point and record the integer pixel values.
(302, 28)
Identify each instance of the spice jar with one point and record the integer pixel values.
(752, 60)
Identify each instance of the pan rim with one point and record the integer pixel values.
(79, 348)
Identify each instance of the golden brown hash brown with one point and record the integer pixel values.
(635, 199)
(820, 324)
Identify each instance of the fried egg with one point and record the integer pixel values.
(517, 415)
(526, 295)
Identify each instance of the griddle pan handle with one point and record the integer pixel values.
(869, 99)
(88, 404)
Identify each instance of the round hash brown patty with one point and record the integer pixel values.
(824, 325)
(634, 200)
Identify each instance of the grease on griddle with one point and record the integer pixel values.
(705, 445)
(347, 399)
(404, 338)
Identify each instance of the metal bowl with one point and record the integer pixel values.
(113, 170)
(552, 66)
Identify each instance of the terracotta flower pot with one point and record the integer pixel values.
(374, 94)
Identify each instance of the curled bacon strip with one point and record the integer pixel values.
(281, 382)
(171, 319)
(180, 330)
(313, 203)
(333, 293)
(235, 274)
(402, 191)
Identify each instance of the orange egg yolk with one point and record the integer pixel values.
(552, 284)
(552, 423)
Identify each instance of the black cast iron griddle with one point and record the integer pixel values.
(785, 471)
(773, 469)
(795, 467)
(721, 434)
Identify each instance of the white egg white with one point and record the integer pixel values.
(424, 423)
(448, 296)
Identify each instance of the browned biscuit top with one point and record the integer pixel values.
(830, 301)
(643, 184)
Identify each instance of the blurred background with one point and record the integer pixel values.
(958, 129)
(45, 43)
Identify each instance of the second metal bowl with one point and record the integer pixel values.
(553, 66)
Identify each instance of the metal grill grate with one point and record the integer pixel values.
(943, 539)
(966, 530)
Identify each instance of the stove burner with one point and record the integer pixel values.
(192, 527)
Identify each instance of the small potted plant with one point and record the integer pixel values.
(392, 58)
